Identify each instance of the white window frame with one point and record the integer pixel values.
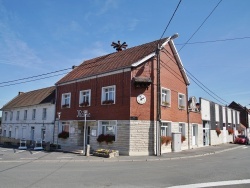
(102, 124)
(5, 116)
(66, 100)
(11, 115)
(17, 115)
(165, 97)
(85, 98)
(181, 101)
(25, 115)
(44, 114)
(108, 96)
(166, 128)
(182, 128)
(33, 114)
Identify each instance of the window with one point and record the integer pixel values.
(33, 114)
(65, 127)
(181, 101)
(5, 116)
(182, 128)
(84, 99)
(10, 132)
(44, 115)
(4, 133)
(108, 95)
(25, 114)
(43, 134)
(166, 129)
(107, 127)
(17, 115)
(66, 100)
(165, 97)
(11, 116)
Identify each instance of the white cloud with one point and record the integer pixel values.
(14, 51)
(132, 24)
(108, 4)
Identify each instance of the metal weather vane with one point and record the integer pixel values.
(118, 46)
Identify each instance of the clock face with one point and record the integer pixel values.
(141, 99)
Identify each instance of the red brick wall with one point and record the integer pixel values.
(195, 117)
(119, 110)
(126, 104)
(171, 78)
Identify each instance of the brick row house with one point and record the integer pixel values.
(29, 116)
(119, 91)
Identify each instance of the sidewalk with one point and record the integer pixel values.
(207, 150)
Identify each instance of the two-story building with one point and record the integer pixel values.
(244, 117)
(29, 116)
(219, 122)
(127, 100)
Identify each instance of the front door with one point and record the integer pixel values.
(32, 134)
(206, 135)
(194, 135)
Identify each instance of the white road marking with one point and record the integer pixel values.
(36, 152)
(244, 147)
(20, 151)
(212, 184)
(65, 157)
(6, 150)
(29, 158)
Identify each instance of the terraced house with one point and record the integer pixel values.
(126, 100)
(30, 116)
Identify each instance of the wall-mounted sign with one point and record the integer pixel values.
(82, 113)
(93, 132)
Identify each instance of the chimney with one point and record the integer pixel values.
(20, 92)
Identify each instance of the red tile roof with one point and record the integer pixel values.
(31, 98)
(111, 62)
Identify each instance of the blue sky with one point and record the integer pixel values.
(43, 36)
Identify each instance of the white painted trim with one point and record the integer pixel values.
(178, 59)
(96, 76)
(143, 60)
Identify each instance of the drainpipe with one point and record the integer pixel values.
(188, 119)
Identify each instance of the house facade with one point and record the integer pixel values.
(219, 123)
(244, 117)
(115, 97)
(30, 116)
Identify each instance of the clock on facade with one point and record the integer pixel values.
(141, 99)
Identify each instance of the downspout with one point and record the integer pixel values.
(55, 115)
(188, 119)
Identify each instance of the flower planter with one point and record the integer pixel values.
(106, 153)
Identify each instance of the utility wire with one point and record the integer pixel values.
(201, 85)
(33, 80)
(201, 25)
(219, 40)
(33, 76)
(170, 19)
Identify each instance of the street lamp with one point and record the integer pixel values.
(86, 114)
(58, 115)
(158, 125)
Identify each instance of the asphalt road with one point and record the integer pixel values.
(40, 169)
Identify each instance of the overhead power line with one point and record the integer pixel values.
(218, 40)
(33, 80)
(33, 76)
(170, 19)
(200, 25)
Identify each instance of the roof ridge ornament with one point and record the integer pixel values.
(118, 46)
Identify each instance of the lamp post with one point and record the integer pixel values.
(86, 114)
(158, 125)
(58, 115)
